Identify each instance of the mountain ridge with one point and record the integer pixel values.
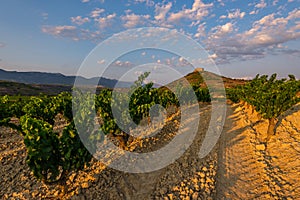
(35, 83)
(48, 78)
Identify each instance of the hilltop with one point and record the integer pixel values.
(196, 78)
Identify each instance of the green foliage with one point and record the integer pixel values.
(167, 98)
(278, 96)
(74, 155)
(142, 99)
(202, 94)
(5, 114)
(139, 100)
(103, 107)
(233, 94)
(270, 97)
(43, 155)
(64, 102)
(51, 155)
(42, 108)
(84, 104)
(11, 107)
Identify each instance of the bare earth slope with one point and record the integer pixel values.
(248, 169)
(189, 177)
(239, 167)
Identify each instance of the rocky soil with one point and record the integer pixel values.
(250, 168)
(239, 166)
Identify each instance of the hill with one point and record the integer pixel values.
(196, 78)
(46, 78)
(14, 88)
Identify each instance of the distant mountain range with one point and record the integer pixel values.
(35, 83)
(55, 79)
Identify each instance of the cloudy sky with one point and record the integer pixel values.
(242, 37)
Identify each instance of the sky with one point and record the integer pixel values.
(243, 38)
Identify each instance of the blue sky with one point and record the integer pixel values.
(242, 37)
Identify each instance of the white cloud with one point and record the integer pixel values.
(64, 31)
(266, 36)
(45, 15)
(294, 14)
(245, 77)
(2, 45)
(221, 30)
(120, 63)
(86, 1)
(176, 17)
(221, 2)
(79, 20)
(96, 13)
(101, 62)
(227, 28)
(200, 31)
(197, 12)
(295, 28)
(275, 2)
(132, 20)
(181, 59)
(213, 56)
(149, 3)
(236, 14)
(261, 4)
(254, 12)
(167, 61)
(233, 15)
(105, 21)
(138, 73)
(162, 10)
(71, 32)
(195, 23)
(182, 62)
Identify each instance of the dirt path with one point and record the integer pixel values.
(249, 170)
(240, 173)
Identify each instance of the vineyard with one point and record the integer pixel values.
(52, 155)
(269, 97)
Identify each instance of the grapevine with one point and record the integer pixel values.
(270, 97)
(52, 154)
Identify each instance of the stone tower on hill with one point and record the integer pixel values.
(199, 69)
